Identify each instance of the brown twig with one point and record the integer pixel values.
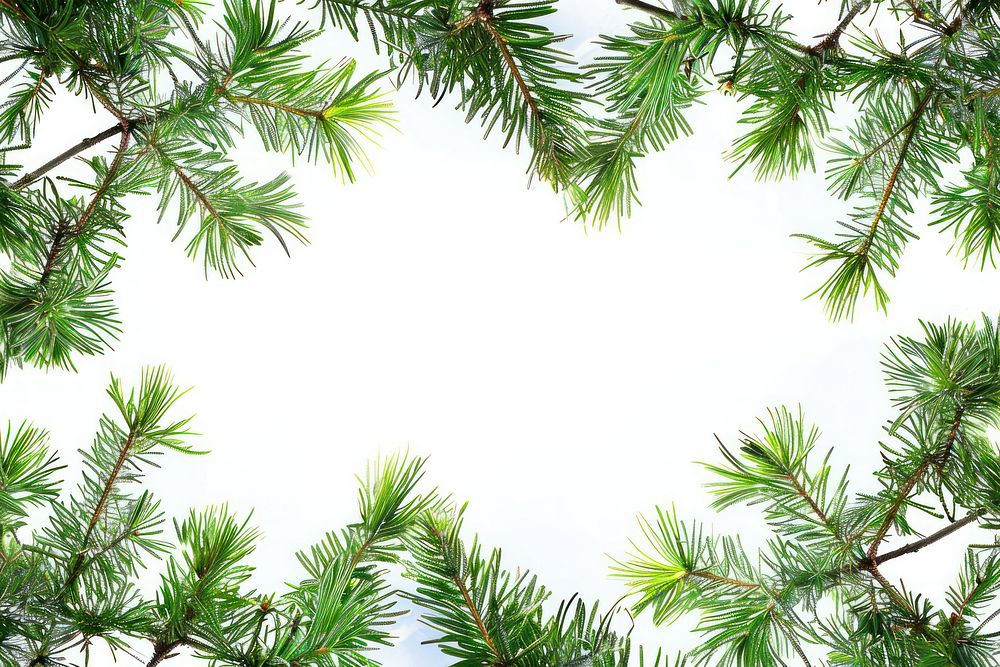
(702, 574)
(163, 652)
(832, 39)
(655, 10)
(63, 236)
(297, 111)
(890, 186)
(917, 545)
(808, 499)
(467, 597)
(89, 142)
(939, 458)
(77, 568)
(483, 15)
(9, 4)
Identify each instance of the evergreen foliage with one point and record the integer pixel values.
(923, 102)
(506, 70)
(72, 567)
(179, 102)
(925, 98)
(816, 593)
(181, 91)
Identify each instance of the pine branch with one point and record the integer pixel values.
(917, 545)
(467, 598)
(78, 564)
(831, 41)
(890, 186)
(83, 145)
(904, 492)
(55, 295)
(816, 592)
(793, 88)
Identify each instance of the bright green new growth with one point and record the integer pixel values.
(179, 101)
(505, 69)
(922, 102)
(816, 593)
(72, 585)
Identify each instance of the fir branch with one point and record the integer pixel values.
(55, 295)
(77, 567)
(470, 606)
(746, 49)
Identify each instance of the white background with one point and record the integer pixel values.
(561, 378)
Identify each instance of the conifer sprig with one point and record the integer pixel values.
(180, 94)
(923, 101)
(72, 590)
(816, 591)
(504, 67)
(73, 584)
(485, 614)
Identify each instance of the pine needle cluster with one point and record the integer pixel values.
(817, 592)
(72, 565)
(181, 93)
(502, 66)
(926, 98)
(178, 102)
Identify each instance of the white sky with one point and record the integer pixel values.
(562, 379)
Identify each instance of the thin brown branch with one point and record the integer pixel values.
(475, 614)
(942, 458)
(483, 15)
(894, 594)
(89, 142)
(12, 7)
(58, 241)
(896, 506)
(197, 192)
(298, 111)
(939, 458)
(113, 168)
(485, 11)
(654, 10)
(467, 597)
(832, 39)
(703, 574)
(890, 186)
(163, 652)
(77, 568)
(917, 545)
(359, 554)
(801, 490)
(63, 236)
(992, 92)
